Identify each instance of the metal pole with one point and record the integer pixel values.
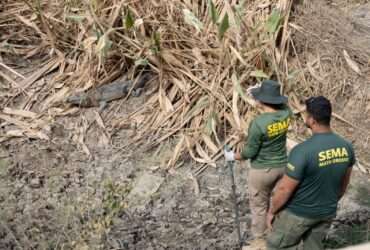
(235, 199)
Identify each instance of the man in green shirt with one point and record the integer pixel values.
(266, 149)
(316, 177)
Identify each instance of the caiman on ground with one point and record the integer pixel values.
(99, 97)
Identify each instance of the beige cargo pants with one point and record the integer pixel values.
(261, 182)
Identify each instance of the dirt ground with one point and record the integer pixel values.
(54, 196)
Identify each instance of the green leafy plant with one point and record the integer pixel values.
(273, 22)
(156, 42)
(224, 26)
(129, 20)
(212, 11)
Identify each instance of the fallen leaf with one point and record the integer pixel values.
(352, 64)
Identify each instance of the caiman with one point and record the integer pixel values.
(99, 97)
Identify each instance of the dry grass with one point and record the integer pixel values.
(333, 47)
(202, 67)
(327, 36)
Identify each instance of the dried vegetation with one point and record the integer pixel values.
(204, 55)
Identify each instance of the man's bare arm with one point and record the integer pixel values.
(345, 182)
(282, 194)
(283, 191)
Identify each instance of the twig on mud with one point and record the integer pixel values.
(12, 70)
(195, 184)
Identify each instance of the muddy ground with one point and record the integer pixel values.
(54, 196)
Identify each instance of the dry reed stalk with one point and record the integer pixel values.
(204, 54)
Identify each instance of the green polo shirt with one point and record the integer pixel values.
(319, 164)
(266, 142)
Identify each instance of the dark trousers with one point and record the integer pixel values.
(290, 230)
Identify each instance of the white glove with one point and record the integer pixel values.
(229, 155)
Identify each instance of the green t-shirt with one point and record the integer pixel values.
(266, 142)
(319, 164)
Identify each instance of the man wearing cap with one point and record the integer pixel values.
(266, 149)
(317, 175)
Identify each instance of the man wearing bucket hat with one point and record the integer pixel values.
(266, 149)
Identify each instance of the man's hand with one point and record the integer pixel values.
(270, 220)
(229, 155)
